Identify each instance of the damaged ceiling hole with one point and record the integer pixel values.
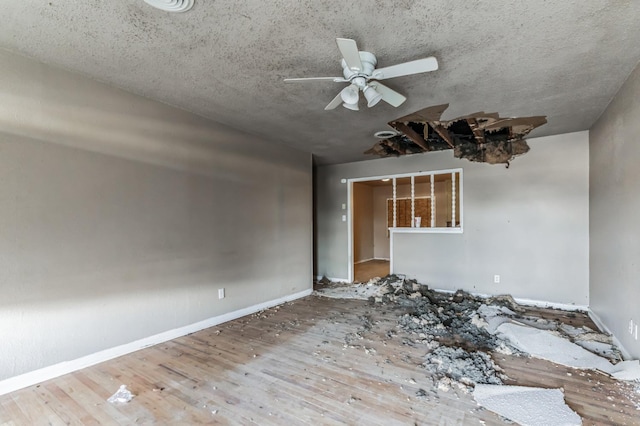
(479, 137)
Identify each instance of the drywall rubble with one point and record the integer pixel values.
(456, 367)
(461, 333)
(460, 329)
(481, 137)
(527, 405)
(362, 291)
(544, 344)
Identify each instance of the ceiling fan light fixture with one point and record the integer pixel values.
(372, 95)
(350, 95)
(352, 107)
(171, 5)
(359, 70)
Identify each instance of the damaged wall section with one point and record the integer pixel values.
(529, 224)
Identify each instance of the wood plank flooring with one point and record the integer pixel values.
(293, 365)
(364, 271)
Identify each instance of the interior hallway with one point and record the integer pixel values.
(364, 271)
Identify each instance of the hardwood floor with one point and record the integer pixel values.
(292, 365)
(364, 271)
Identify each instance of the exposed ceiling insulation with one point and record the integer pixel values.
(226, 61)
(482, 137)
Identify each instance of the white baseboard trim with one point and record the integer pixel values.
(369, 260)
(554, 305)
(37, 376)
(602, 326)
(335, 280)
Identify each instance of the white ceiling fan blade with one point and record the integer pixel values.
(334, 103)
(407, 68)
(350, 54)
(390, 96)
(303, 79)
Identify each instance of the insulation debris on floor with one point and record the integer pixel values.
(480, 137)
(462, 334)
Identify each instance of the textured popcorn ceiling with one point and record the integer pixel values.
(226, 60)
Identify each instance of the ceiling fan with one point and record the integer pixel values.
(359, 69)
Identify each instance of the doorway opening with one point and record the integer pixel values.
(370, 229)
(412, 203)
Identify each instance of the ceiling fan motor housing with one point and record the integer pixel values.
(369, 63)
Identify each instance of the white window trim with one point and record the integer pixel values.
(413, 210)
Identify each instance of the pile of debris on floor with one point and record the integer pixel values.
(461, 331)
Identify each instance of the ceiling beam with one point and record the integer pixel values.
(444, 133)
(411, 134)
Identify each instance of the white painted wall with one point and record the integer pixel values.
(615, 209)
(120, 217)
(528, 223)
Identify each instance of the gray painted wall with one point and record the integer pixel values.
(528, 223)
(121, 217)
(615, 208)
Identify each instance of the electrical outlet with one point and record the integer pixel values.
(630, 326)
(344, 206)
(496, 279)
(221, 293)
(635, 335)
(344, 217)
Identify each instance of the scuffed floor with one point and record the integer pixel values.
(464, 338)
(326, 361)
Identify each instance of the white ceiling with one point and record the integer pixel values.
(226, 60)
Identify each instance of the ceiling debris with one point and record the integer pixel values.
(527, 405)
(480, 137)
(464, 336)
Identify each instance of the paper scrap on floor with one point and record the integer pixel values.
(527, 406)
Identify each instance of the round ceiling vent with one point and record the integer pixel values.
(384, 134)
(171, 5)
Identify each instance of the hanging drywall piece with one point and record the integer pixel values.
(481, 137)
